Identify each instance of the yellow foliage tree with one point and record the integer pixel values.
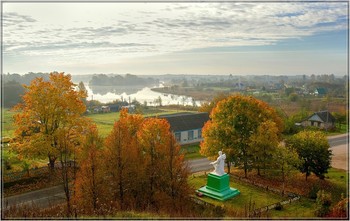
(234, 123)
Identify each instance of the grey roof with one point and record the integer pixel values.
(324, 116)
(186, 121)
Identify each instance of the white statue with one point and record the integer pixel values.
(219, 164)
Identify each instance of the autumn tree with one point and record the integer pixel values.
(262, 144)
(164, 166)
(123, 158)
(285, 160)
(90, 181)
(234, 122)
(48, 109)
(313, 150)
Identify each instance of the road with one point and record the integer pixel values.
(340, 150)
(50, 196)
(40, 198)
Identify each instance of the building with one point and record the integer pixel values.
(320, 92)
(321, 119)
(187, 127)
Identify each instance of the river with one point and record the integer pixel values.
(142, 94)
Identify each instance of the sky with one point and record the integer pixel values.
(274, 38)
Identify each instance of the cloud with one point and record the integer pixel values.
(170, 28)
(13, 18)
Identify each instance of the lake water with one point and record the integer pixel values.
(142, 94)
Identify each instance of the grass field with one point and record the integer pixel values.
(7, 123)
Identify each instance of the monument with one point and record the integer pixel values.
(218, 184)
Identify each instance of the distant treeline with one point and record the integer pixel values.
(13, 89)
(128, 80)
(24, 79)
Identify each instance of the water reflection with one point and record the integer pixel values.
(142, 94)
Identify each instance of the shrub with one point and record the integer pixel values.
(313, 191)
(324, 201)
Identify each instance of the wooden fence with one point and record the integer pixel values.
(14, 176)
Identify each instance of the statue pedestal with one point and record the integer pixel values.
(218, 187)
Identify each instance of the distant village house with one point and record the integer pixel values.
(321, 119)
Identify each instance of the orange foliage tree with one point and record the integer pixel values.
(123, 156)
(49, 108)
(234, 122)
(163, 165)
(90, 180)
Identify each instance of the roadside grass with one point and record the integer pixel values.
(344, 128)
(191, 151)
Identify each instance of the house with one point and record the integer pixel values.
(187, 127)
(105, 109)
(321, 119)
(320, 92)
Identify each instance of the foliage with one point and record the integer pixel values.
(89, 181)
(285, 159)
(340, 210)
(313, 150)
(140, 168)
(49, 108)
(233, 127)
(262, 145)
(323, 201)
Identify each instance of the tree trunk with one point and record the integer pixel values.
(52, 162)
(228, 167)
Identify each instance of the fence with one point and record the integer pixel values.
(10, 177)
(34, 172)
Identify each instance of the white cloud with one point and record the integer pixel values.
(106, 32)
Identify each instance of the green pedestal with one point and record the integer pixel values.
(218, 187)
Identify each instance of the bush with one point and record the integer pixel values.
(324, 201)
(313, 191)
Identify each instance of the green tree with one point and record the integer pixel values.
(286, 160)
(263, 144)
(313, 150)
(234, 121)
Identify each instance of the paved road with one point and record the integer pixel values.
(49, 196)
(338, 140)
(340, 150)
(41, 198)
(199, 165)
